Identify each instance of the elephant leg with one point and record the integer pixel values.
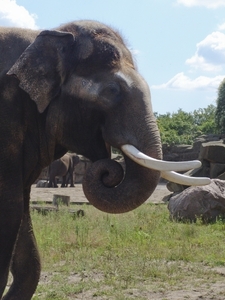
(63, 181)
(71, 178)
(10, 219)
(72, 184)
(25, 264)
(67, 179)
(54, 182)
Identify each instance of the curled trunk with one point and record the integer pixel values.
(111, 190)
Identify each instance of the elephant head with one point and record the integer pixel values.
(84, 81)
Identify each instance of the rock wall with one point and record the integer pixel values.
(79, 170)
(207, 203)
(209, 149)
(189, 152)
(212, 156)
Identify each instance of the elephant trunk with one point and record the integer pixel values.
(112, 190)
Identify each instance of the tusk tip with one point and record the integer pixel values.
(184, 179)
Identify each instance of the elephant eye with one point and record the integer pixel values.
(110, 95)
(112, 89)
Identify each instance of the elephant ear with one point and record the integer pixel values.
(43, 66)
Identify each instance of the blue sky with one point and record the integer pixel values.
(178, 45)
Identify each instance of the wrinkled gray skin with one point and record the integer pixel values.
(75, 88)
(64, 168)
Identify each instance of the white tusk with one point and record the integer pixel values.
(156, 164)
(184, 179)
(166, 167)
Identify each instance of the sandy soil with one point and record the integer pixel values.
(76, 194)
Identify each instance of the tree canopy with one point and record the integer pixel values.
(183, 127)
(220, 110)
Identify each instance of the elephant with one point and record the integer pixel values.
(74, 88)
(64, 167)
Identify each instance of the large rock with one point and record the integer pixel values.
(190, 152)
(213, 152)
(204, 202)
(42, 183)
(179, 152)
(81, 168)
(205, 139)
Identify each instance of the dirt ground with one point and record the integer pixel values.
(76, 194)
(186, 290)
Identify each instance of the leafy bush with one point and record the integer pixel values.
(183, 127)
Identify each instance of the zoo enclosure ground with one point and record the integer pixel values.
(76, 194)
(172, 268)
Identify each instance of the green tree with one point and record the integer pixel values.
(205, 120)
(176, 128)
(182, 127)
(220, 110)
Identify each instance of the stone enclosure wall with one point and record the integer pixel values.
(209, 149)
(79, 171)
(189, 152)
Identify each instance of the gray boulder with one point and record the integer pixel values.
(42, 183)
(204, 202)
(213, 152)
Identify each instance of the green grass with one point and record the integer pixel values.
(110, 256)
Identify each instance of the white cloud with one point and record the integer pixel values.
(12, 14)
(209, 56)
(221, 27)
(183, 82)
(210, 53)
(205, 3)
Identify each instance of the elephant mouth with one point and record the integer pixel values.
(108, 149)
(166, 168)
